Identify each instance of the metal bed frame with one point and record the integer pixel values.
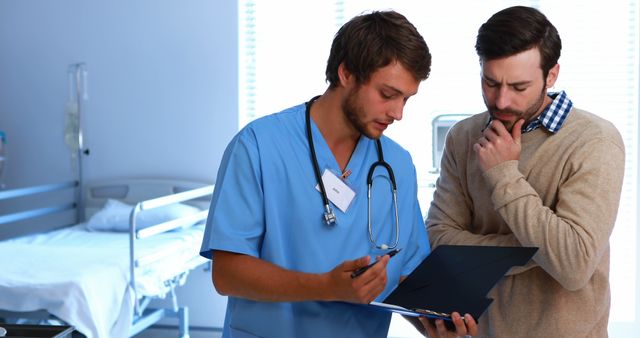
(143, 316)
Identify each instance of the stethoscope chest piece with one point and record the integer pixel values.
(329, 217)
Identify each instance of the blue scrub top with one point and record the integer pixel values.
(265, 204)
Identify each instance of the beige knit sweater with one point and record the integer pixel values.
(562, 196)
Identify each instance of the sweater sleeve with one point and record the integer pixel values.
(450, 215)
(573, 237)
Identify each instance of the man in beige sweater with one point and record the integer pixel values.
(532, 171)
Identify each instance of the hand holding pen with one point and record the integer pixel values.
(360, 271)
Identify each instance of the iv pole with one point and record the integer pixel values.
(77, 73)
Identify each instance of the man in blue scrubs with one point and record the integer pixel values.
(286, 270)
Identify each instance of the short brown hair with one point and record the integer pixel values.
(372, 41)
(518, 29)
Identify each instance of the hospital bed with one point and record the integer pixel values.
(140, 240)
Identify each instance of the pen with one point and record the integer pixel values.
(363, 269)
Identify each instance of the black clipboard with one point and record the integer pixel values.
(454, 278)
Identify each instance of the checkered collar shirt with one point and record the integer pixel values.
(553, 117)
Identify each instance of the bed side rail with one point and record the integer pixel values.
(164, 201)
(36, 212)
(135, 234)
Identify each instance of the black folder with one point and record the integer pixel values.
(454, 278)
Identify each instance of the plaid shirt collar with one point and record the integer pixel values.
(553, 117)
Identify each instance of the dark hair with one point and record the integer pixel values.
(518, 29)
(374, 40)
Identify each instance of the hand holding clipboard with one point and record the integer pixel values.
(454, 278)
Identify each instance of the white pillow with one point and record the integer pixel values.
(114, 216)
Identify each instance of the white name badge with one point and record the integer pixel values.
(338, 192)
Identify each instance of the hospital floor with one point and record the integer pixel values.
(169, 332)
(400, 328)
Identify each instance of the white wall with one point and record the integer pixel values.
(162, 85)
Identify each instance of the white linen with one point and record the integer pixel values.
(82, 276)
(114, 216)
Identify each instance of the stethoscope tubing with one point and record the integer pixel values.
(395, 201)
(329, 216)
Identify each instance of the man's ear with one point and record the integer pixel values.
(553, 75)
(345, 75)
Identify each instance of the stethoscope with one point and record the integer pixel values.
(329, 216)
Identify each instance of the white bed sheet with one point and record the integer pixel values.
(82, 276)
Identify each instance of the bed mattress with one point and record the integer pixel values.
(82, 277)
